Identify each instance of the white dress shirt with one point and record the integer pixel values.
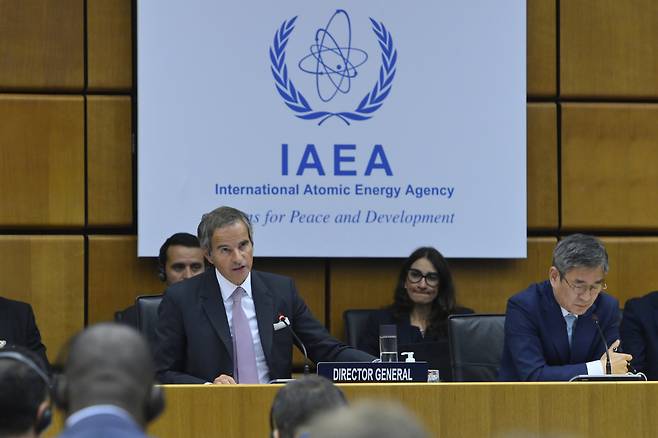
(227, 288)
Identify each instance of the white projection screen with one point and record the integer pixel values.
(344, 129)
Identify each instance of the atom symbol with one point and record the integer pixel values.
(330, 61)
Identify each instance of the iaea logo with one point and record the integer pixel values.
(334, 63)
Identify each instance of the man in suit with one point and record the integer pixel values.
(107, 385)
(226, 325)
(180, 258)
(25, 409)
(18, 327)
(550, 328)
(639, 333)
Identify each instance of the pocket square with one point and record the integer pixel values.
(2, 343)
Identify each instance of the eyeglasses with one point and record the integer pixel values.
(582, 288)
(431, 278)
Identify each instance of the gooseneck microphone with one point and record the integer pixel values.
(286, 321)
(608, 364)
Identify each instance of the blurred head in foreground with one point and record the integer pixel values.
(299, 401)
(367, 419)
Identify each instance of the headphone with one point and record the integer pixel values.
(162, 259)
(153, 405)
(162, 275)
(44, 421)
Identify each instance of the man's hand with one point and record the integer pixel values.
(619, 361)
(224, 379)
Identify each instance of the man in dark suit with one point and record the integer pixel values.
(18, 327)
(639, 333)
(550, 328)
(227, 324)
(107, 388)
(180, 258)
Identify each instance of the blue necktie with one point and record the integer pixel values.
(571, 320)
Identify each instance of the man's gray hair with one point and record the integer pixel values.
(218, 218)
(368, 419)
(297, 403)
(579, 251)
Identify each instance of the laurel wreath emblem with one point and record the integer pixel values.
(296, 101)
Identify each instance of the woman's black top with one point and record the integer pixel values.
(431, 348)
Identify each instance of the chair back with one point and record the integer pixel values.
(476, 346)
(118, 316)
(356, 321)
(147, 316)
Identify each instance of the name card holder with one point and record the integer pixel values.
(374, 372)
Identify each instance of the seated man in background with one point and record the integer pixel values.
(107, 387)
(299, 401)
(639, 333)
(550, 328)
(218, 327)
(18, 327)
(24, 393)
(180, 258)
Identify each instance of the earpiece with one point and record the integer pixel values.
(59, 392)
(155, 404)
(44, 421)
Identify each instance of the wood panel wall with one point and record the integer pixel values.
(67, 184)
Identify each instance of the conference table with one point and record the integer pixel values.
(584, 409)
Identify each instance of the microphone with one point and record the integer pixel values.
(608, 364)
(286, 321)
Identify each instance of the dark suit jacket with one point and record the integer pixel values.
(536, 342)
(434, 349)
(103, 425)
(639, 333)
(18, 327)
(194, 341)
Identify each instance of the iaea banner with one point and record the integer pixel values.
(344, 129)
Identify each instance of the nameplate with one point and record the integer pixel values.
(376, 372)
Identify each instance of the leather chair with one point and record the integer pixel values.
(118, 316)
(476, 346)
(147, 316)
(355, 325)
